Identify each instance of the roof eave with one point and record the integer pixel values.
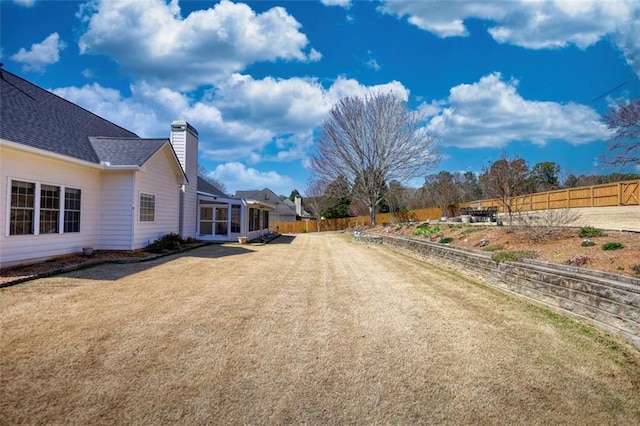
(48, 154)
(260, 204)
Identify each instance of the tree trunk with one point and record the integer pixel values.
(372, 215)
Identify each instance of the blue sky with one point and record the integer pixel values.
(257, 78)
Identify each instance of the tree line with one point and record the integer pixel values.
(370, 147)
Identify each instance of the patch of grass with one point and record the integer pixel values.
(590, 232)
(636, 269)
(587, 243)
(473, 229)
(494, 247)
(612, 246)
(512, 256)
(445, 240)
(426, 229)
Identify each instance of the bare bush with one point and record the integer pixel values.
(543, 225)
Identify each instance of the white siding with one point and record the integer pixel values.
(18, 165)
(117, 213)
(159, 179)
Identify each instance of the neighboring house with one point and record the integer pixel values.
(282, 211)
(296, 206)
(71, 179)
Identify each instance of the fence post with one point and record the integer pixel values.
(619, 193)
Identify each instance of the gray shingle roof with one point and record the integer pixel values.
(33, 116)
(204, 186)
(126, 152)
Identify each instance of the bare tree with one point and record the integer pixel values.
(316, 201)
(545, 225)
(371, 141)
(624, 120)
(505, 180)
(445, 189)
(204, 174)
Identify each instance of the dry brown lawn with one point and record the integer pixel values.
(312, 329)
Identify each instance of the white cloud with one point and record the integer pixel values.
(236, 176)
(27, 3)
(243, 119)
(342, 3)
(41, 54)
(536, 24)
(371, 62)
(627, 38)
(491, 113)
(151, 38)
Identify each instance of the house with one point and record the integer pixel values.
(71, 179)
(282, 212)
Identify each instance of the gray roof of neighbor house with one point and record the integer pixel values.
(35, 117)
(206, 187)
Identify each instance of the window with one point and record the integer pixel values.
(44, 214)
(22, 208)
(72, 210)
(256, 219)
(265, 219)
(147, 207)
(49, 209)
(235, 219)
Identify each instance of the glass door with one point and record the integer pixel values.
(206, 221)
(221, 220)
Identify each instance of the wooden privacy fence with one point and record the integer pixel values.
(311, 225)
(605, 195)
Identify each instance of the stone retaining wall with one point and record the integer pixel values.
(608, 301)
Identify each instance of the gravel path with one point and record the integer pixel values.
(312, 329)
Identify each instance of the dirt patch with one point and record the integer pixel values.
(564, 247)
(76, 261)
(307, 330)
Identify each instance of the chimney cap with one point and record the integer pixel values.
(183, 125)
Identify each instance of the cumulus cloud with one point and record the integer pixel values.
(236, 176)
(532, 24)
(151, 38)
(342, 3)
(41, 54)
(491, 113)
(242, 119)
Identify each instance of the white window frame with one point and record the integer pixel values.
(37, 207)
(34, 209)
(147, 194)
(64, 211)
(54, 209)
